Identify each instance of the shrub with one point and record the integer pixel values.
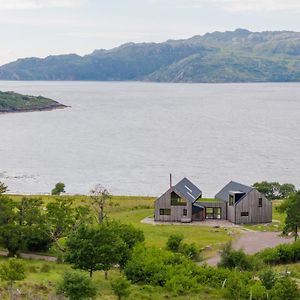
(285, 253)
(121, 286)
(237, 259)
(258, 292)
(285, 288)
(174, 242)
(267, 278)
(76, 286)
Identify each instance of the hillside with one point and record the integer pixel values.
(232, 56)
(13, 102)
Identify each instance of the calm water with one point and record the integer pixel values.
(130, 136)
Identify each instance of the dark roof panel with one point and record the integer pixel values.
(188, 190)
(232, 186)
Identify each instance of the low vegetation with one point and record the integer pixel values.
(13, 102)
(105, 252)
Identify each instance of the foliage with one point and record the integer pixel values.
(94, 248)
(285, 288)
(3, 188)
(292, 208)
(100, 199)
(121, 286)
(285, 253)
(275, 190)
(11, 102)
(27, 225)
(237, 259)
(11, 271)
(76, 286)
(267, 278)
(174, 242)
(58, 189)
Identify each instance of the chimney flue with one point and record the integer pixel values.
(170, 180)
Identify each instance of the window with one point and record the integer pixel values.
(244, 214)
(260, 202)
(165, 211)
(231, 200)
(176, 200)
(184, 212)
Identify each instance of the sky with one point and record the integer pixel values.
(48, 27)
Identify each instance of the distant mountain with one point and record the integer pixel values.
(13, 102)
(231, 56)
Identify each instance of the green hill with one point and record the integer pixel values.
(13, 102)
(231, 56)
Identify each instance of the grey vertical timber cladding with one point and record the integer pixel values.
(256, 214)
(164, 202)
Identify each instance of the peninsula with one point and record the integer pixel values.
(14, 102)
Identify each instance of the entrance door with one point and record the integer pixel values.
(213, 213)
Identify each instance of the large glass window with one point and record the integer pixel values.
(260, 202)
(176, 200)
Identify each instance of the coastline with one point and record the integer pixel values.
(48, 108)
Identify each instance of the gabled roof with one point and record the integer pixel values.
(187, 190)
(232, 186)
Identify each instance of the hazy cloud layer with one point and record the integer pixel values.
(33, 4)
(243, 5)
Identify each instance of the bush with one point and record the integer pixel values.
(174, 242)
(285, 253)
(285, 288)
(121, 286)
(237, 259)
(267, 278)
(76, 286)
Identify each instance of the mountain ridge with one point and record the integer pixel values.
(230, 56)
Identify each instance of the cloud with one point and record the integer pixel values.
(243, 5)
(35, 4)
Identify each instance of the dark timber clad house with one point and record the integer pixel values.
(236, 203)
(245, 205)
(177, 204)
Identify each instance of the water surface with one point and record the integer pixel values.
(130, 136)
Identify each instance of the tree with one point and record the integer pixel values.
(58, 189)
(11, 271)
(275, 190)
(121, 286)
(286, 190)
(269, 189)
(100, 199)
(3, 188)
(292, 208)
(94, 248)
(76, 286)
